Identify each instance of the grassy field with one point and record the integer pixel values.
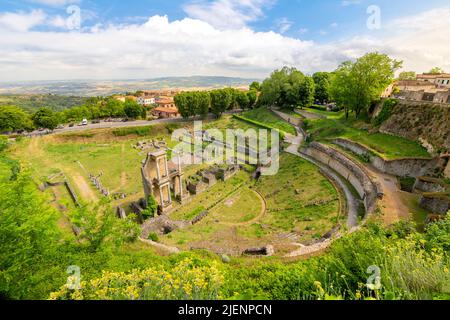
(297, 200)
(268, 117)
(387, 146)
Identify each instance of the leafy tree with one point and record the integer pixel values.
(28, 236)
(306, 92)
(243, 100)
(255, 86)
(101, 230)
(182, 105)
(13, 118)
(252, 98)
(273, 88)
(221, 101)
(203, 103)
(291, 89)
(46, 118)
(407, 75)
(436, 70)
(132, 109)
(322, 87)
(113, 108)
(356, 84)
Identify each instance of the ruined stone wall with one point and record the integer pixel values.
(447, 171)
(438, 204)
(425, 184)
(407, 167)
(421, 120)
(357, 177)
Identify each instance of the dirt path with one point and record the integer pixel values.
(85, 189)
(392, 206)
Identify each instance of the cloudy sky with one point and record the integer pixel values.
(137, 39)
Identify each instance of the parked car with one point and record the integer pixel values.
(60, 127)
(71, 125)
(84, 122)
(95, 121)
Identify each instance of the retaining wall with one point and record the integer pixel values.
(436, 203)
(425, 184)
(356, 176)
(407, 167)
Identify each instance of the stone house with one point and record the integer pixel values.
(165, 113)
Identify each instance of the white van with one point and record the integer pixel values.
(84, 122)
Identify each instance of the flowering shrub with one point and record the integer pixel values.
(185, 281)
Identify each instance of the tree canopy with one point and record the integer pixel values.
(13, 118)
(436, 70)
(287, 88)
(407, 75)
(356, 84)
(322, 86)
(46, 118)
(133, 109)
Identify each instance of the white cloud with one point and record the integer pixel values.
(347, 3)
(227, 14)
(302, 31)
(160, 47)
(284, 25)
(56, 3)
(21, 21)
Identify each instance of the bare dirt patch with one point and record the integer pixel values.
(85, 189)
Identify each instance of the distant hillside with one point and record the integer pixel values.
(33, 102)
(105, 88)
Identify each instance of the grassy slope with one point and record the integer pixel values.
(387, 146)
(266, 116)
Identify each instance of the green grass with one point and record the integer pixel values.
(384, 145)
(266, 116)
(299, 198)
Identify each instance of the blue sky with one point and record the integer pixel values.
(335, 28)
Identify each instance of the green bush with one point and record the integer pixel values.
(386, 112)
(152, 208)
(153, 237)
(3, 142)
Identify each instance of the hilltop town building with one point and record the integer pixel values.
(427, 87)
(146, 100)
